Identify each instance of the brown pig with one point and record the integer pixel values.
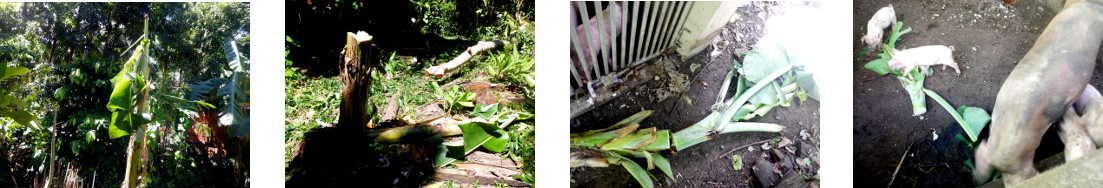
(1045, 83)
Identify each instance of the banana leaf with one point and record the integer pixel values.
(6, 72)
(475, 134)
(971, 119)
(129, 90)
(20, 116)
(602, 136)
(637, 172)
(235, 92)
(634, 141)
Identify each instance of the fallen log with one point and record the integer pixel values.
(442, 69)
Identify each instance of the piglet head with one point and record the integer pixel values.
(896, 63)
(872, 40)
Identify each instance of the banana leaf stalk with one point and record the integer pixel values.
(971, 119)
(727, 113)
(612, 145)
(913, 84)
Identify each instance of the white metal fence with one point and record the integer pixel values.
(617, 35)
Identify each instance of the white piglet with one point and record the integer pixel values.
(875, 29)
(921, 56)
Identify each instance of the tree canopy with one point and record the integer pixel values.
(73, 49)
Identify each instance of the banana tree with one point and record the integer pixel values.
(129, 106)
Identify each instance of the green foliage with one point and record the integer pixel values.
(737, 162)
(622, 139)
(971, 119)
(73, 50)
(475, 134)
(235, 92)
(130, 91)
(454, 98)
(768, 57)
(8, 103)
(511, 67)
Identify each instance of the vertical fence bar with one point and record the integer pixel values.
(657, 48)
(676, 15)
(624, 27)
(681, 22)
(578, 51)
(644, 28)
(653, 29)
(589, 39)
(601, 38)
(613, 33)
(668, 24)
(633, 56)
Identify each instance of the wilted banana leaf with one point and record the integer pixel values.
(476, 134)
(485, 111)
(971, 119)
(634, 141)
(602, 136)
(637, 172)
(663, 164)
(768, 57)
(662, 141)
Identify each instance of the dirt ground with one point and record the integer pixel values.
(707, 164)
(989, 40)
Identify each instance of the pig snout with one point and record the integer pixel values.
(1090, 106)
(872, 40)
(881, 19)
(982, 163)
(1072, 133)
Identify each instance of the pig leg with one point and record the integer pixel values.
(1077, 142)
(1042, 87)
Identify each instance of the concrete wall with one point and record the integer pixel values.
(703, 23)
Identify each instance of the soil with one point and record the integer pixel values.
(989, 39)
(709, 163)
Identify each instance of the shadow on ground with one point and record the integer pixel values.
(329, 157)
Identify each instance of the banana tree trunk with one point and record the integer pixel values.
(136, 149)
(360, 57)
